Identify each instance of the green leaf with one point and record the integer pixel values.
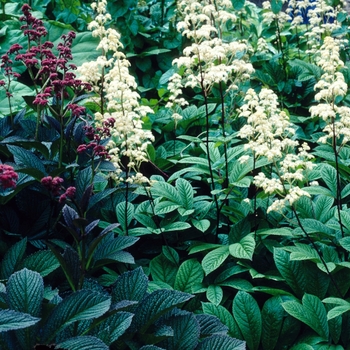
(189, 273)
(29, 159)
(329, 176)
(100, 196)
(125, 214)
(86, 342)
(337, 311)
(12, 320)
(238, 4)
(312, 312)
(224, 316)
(186, 332)
(221, 342)
(291, 271)
(210, 325)
(244, 249)
(322, 207)
(43, 261)
(25, 291)
(214, 294)
(272, 315)
(163, 270)
(114, 326)
(247, 314)
(131, 285)
(110, 246)
(276, 6)
(165, 207)
(78, 306)
(185, 191)
(345, 243)
(214, 259)
(155, 305)
(175, 226)
(171, 254)
(201, 225)
(12, 258)
(163, 189)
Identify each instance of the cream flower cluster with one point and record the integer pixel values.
(269, 133)
(331, 86)
(282, 18)
(323, 22)
(111, 79)
(209, 60)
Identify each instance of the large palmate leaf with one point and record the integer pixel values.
(155, 305)
(130, 285)
(312, 312)
(86, 342)
(246, 312)
(210, 325)
(114, 326)
(12, 320)
(25, 291)
(189, 273)
(80, 305)
(186, 332)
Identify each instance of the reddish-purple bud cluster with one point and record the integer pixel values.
(54, 185)
(8, 177)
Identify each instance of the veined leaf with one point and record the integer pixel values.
(214, 294)
(244, 249)
(247, 314)
(210, 325)
(329, 175)
(214, 259)
(29, 159)
(221, 342)
(165, 207)
(163, 270)
(11, 320)
(186, 332)
(130, 285)
(125, 214)
(164, 189)
(224, 316)
(272, 318)
(12, 258)
(322, 207)
(155, 305)
(238, 4)
(175, 226)
(80, 305)
(25, 291)
(171, 254)
(201, 225)
(189, 273)
(43, 261)
(312, 312)
(186, 192)
(337, 311)
(85, 342)
(291, 271)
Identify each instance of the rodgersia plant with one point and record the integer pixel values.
(117, 100)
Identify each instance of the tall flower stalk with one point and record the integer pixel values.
(209, 62)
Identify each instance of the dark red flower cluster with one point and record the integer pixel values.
(8, 177)
(54, 185)
(96, 135)
(54, 72)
